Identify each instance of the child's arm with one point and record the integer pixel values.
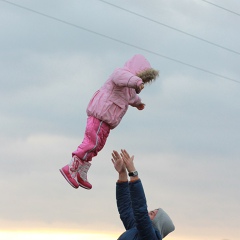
(123, 78)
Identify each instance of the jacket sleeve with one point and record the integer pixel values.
(139, 205)
(124, 205)
(123, 78)
(135, 100)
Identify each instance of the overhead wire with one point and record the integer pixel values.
(218, 6)
(172, 28)
(120, 41)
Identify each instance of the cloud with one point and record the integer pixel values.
(185, 142)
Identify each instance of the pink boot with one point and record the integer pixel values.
(70, 171)
(82, 175)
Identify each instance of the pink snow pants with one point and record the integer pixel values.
(95, 137)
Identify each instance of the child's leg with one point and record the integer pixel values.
(94, 140)
(95, 137)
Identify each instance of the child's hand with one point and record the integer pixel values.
(141, 106)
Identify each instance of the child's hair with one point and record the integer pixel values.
(148, 75)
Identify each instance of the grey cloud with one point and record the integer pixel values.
(185, 141)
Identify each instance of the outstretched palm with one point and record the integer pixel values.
(118, 162)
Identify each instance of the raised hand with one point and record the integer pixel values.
(118, 162)
(128, 160)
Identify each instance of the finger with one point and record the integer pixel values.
(117, 154)
(114, 157)
(123, 156)
(125, 153)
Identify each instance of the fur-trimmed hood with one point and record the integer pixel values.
(139, 66)
(148, 75)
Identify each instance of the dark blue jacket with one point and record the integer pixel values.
(132, 207)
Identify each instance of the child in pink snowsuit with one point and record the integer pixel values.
(105, 111)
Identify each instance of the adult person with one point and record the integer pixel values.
(132, 206)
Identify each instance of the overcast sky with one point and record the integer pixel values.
(56, 53)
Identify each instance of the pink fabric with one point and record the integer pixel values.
(95, 137)
(136, 64)
(111, 101)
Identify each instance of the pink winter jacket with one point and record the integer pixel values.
(110, 102)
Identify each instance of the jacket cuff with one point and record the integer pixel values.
(135, 181)
(119, 181)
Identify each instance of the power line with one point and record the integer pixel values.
(122, 42)
(221, 7)
(170, 27)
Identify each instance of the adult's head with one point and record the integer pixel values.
(161, 221)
